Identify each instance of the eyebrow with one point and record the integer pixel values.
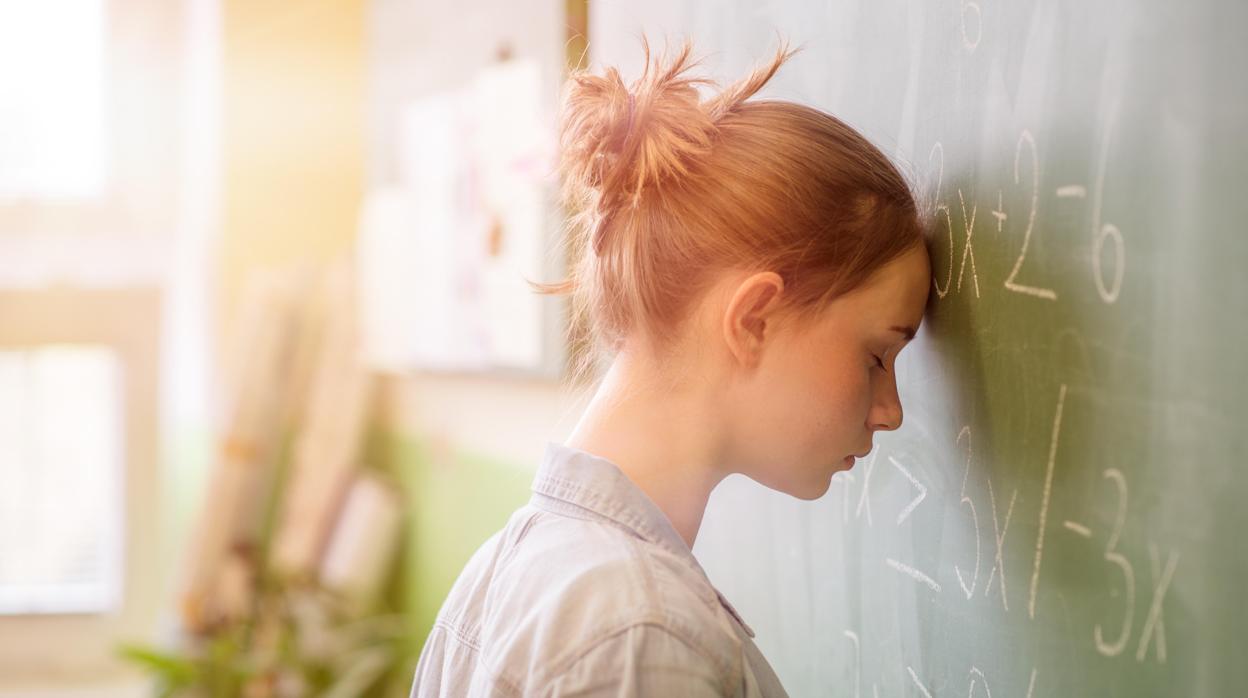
(905, 330)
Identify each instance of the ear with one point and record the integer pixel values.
(750, 310)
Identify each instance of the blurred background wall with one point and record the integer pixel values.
(293, 88)
(171, 327)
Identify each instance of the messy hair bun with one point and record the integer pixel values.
(617, 140)
(666, 189)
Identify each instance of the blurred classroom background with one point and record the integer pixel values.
(269, 366)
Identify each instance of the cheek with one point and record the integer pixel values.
(845, 396)
(798, 416)
(827, 404)
(804, 406)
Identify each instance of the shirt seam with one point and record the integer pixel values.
(562, 507)
(573, 492)
(575, 510)
(458, 633)
(514, 545)
(728, 674)
(497, 677)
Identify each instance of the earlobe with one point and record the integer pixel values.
(746, 318)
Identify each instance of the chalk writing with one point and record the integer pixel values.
(1010, 283)
(1044, 502)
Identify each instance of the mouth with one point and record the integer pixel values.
(849, 460)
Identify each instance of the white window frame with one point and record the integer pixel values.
(62, 280)
(62, 426)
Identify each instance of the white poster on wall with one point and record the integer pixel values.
(445, 253)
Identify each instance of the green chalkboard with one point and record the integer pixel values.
(1062, 512)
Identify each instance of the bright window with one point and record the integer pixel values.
(61, 479)
(53, 131)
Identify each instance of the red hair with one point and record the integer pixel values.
(668, 190)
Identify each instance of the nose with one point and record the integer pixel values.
(886, 411)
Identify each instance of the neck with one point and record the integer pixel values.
(663, 435)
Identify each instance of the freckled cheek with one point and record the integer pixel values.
(856, 413)
(804, 411)
(862, 396)
(837, 406)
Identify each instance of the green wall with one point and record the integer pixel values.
(455, 501)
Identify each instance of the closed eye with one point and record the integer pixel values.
(880, 362)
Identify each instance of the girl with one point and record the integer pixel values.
(752, 268)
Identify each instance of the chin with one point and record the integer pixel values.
(820, 486)
(814, 490)
(814, 494)
(813, 483)
(807, 490)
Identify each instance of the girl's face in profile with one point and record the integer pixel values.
(821, 392)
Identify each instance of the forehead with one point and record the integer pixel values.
(895, 295)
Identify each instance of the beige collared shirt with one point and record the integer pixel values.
(588, 590)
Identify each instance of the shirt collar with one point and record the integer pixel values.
(571, 476)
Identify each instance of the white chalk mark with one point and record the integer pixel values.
(971, 692)
(999, 533)
(1072, 191)
(999, 212)
(1100, 230)
(1036, 291)
(1111, 231)
(863, 500)
(1044, 500)
(909, 508)
(968, 590)
(941, 293)
(1113, 649)
(1031, 685)
(918, 683)
(967, 248)
(979, 25)
(1155, 623)
(937, 147)
(1077, 528)
(911, 572)
(853, 636)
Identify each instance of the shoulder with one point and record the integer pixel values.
(575, 597)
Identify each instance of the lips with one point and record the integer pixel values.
(853, 456)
